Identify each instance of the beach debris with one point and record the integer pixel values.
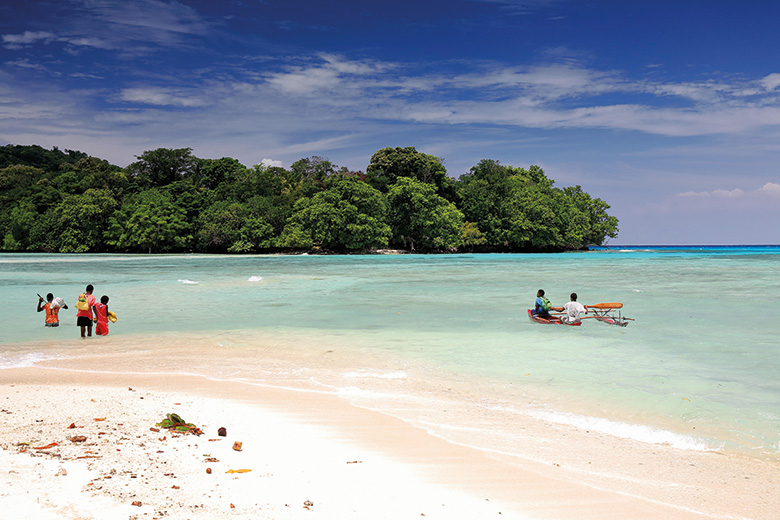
(237, 446)
(155, 430)
(211, 459)
(173, 422)
(222, 432)
(78, 438)
(238, 471)
(354, 462)
(208, 471)
(61, 473)
(136, 503)
(72, 425)
(308, 504)
(232, 506)
(98, 419)
(50, 445)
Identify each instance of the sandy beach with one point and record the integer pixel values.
(79, 444)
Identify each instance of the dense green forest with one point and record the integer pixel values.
(171, 201)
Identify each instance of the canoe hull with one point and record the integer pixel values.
(552, 321)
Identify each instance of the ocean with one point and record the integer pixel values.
(443, 341)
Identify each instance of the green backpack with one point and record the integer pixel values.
(546, 305)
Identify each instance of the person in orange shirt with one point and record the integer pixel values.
(86, 306)
(52, 310)
(101, 310)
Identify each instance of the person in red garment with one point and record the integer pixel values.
(101, 311)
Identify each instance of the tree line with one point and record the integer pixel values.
(171, 201)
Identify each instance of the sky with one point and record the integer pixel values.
(669, 111)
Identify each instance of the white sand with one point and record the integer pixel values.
(310, 448)
(292, 464)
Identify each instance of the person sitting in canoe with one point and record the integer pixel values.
(573, 309)
(542, 305)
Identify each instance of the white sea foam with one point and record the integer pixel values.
(372, 399)
(184, 281)
(254, 278)
(376, 375)
(622, 430)
(25, 360)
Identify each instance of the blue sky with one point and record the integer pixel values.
(667, 110)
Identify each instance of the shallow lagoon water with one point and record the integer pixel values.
(698, 368)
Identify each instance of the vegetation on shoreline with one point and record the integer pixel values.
(172, 201)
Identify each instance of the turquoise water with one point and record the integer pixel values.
(700, 363)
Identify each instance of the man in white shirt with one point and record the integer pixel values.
(573, 310)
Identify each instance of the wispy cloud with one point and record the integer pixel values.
(122, 25)
(727, 194)
(163, 97)
(521, 6)
(770, 189)
(18, 41)
(548, 96)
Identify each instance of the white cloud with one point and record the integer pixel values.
(96, 43)
(26, 64)
(728, 194)
(150, 19)
(332, 73)
(550, 96)
(770, 188)
(162, 97)
(770, 82)
(549, 81)
(27, 38)
(271, 162)
(122, 25)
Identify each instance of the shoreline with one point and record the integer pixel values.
(563, 472)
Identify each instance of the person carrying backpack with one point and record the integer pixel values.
(85, 306)
(542, 305)
(52, 309)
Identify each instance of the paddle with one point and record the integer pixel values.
(615, 305)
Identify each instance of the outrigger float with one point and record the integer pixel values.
(608, 313)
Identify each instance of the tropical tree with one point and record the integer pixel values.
(75, 225)
(421, 219)
(37, 156)
(314, 168)
(150, 222)
(388, 164)
(598, 223)
(484, 192)
(232, 227)
(163, 166)
(349, 215)
(214, 172)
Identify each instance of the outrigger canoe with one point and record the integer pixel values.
(603, 312)
(552, 320)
